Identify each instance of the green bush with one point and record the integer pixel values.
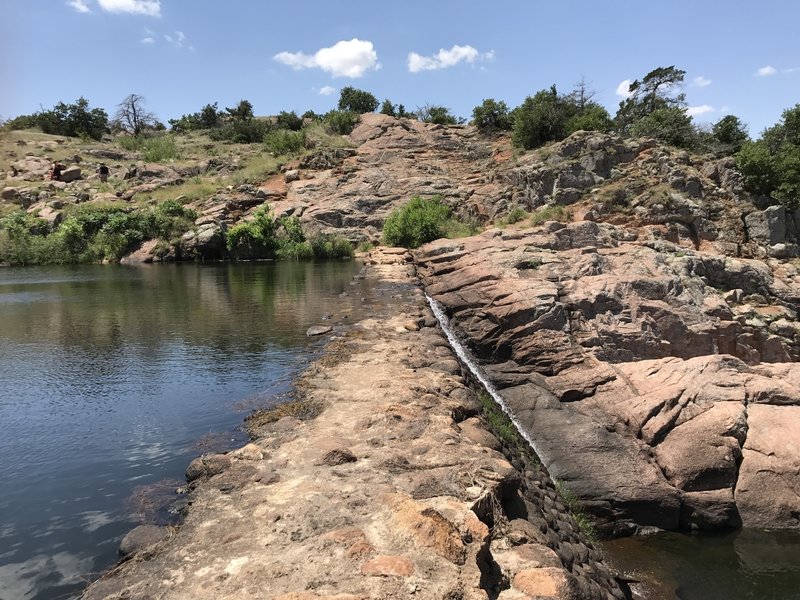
(671, 125)
(256, 238)
(241, 131)
(771, 165)
(160, 148)
(492, 115)
(553, 212)
(418, 222)
(341, 122)
(289, 120)
(327, 246)
(515, 215)
(72, 120)
(284, 141)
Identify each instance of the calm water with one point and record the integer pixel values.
(739, 565)
(113, 378)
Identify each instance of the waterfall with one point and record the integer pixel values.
(467, 359)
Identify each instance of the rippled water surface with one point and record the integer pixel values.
(113, 378)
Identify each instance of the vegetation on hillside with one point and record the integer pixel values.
(422, 220)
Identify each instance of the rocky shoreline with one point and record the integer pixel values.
(398, 489)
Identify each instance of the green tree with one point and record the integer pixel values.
(541, 118)
(730, 132)
(241, 112)
(289, 120)
(432, 113)
(771, 164)
(387, 108)
(654, 91)
(592, 117)
(671, 125)
(492, 115)
(357, 101)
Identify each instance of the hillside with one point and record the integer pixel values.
(632, 298)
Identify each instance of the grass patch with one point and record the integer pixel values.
(552, 212)
(579, 514)
(258, 169)
(501, 423)
(153, 148)
(515, 215)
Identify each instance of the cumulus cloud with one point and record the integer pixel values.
(346, 58)
(150, 8)
(694, 111)
(327, 90)
(701, 81)
(148, 40)
(444, 59)
(623, 87)
(79, 5)
(766, 71)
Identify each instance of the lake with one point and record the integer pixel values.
(113, 378)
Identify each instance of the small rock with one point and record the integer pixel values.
(9, 193)
(291, 175)
(315, 330)
(248, 452)
(71, 174)
(338, 455)
(140, 538)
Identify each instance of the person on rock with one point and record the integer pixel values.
(55, 173)
(103, 171)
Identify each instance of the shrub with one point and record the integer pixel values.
(553, 212)
(289, 120)
(515, 215)
(160, 148)
(540, 119)
(241, 131)
(671, 125)
(256, 238)
(341, 122)
(730, 132)
(327, 246)
(491, 115)
(593, 117)
(417, 222)
(284, 141)
(440, 115)
(771, 165)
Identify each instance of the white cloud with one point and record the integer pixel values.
(446, 58)
(623, 87)
(150, 8)
(350, 58)
(694, 111)
(766, 71)
(79, 5)
(148, 40)
(178, 39)
(701, 81)
(792, 70)
(327, 90)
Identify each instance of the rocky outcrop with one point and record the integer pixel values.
(395, 490)
(650, 376)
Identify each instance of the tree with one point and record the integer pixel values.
(771, 165)
(387, 108)
(671, 125)
(432, 113)
(730, 132)
(582, 95)
(541, 119)
(655, 91)
(207, 117)
(133, 117)
(592, 117)
(491, 115)
(241, 112)
(289, 120)
(357, 101)
(402, 113)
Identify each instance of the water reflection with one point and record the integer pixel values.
(110, 375)
(745, 564)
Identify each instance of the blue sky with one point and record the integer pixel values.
(739, 56)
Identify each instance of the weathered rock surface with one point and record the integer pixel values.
(659, 383)
(381, 496)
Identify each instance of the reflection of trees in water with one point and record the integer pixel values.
(220, 308)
